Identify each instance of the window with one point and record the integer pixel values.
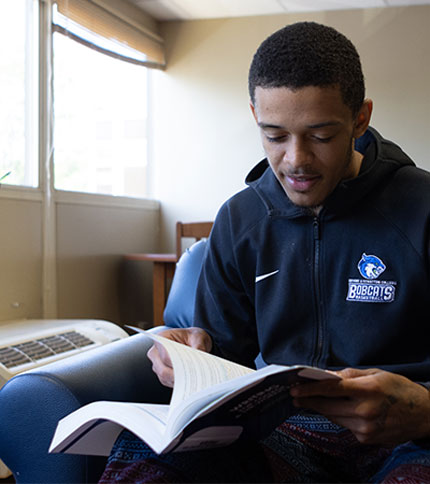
(91, 102)
(100, 110)
(19, 92)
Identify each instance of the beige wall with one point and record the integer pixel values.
(205, 140)
(90, 242)
(20, 259)
(90, 239)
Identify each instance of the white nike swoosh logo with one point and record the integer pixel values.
(264, 276)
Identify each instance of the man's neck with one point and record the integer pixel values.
(316, 210)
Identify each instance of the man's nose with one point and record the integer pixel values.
(297, 153)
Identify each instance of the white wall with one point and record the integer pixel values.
(205, 140)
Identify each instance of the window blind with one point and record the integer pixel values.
(116, 28)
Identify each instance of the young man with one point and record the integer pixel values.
(323, 260)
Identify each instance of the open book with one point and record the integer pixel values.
(214, 402)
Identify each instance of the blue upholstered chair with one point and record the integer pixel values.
(32, 403)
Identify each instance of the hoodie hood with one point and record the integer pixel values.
(382, 158)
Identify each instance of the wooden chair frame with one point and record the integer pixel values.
(164, 264)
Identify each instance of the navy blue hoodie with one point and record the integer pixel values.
(349, 287)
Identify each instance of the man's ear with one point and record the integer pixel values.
(362, 119)
(253, 111)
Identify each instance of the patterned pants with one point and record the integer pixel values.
(304, 449)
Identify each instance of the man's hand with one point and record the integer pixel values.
(377, 406)
(161, 364)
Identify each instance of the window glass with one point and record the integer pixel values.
(100, 107)
(18, 93)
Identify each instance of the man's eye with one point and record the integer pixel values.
(275, 139)
(321, 139)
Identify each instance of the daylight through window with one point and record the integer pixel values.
(19, 93)
(100, 107)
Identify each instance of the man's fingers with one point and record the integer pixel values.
(163, 354)
(194, 337)
(159, 356)
(157, 353)
(356, 373)
(200, 340)
(161, 364)
(354, 383)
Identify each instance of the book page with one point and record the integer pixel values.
(159, 411)
(93, 428)
(196, 370)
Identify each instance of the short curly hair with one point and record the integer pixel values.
(309, 54)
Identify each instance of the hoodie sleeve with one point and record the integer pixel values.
(224, 306)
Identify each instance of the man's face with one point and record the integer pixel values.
(308, 139)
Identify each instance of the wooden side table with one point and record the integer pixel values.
(163, 271)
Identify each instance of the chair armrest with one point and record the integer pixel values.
(31, 404)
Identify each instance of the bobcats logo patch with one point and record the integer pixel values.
(369, 289)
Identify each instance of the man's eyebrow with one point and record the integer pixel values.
(324, 124)
(269, 126)
(310, 126)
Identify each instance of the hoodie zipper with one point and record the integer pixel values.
(317, 290)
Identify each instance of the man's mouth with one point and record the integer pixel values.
(302, 183)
